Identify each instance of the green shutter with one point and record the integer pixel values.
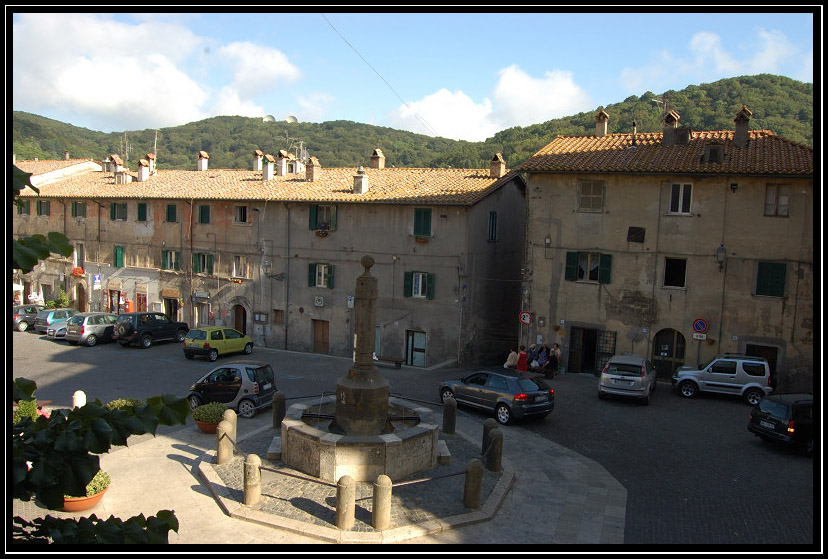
(204, 214)
(171, 217)
(165, 260)
(119, 257)
(408, 283)
(571, 270)
(770, 279)
(311, 275)
(112, 211)
(429, 286)
(210, 264)
(142, 211)
(176, 260)
(332, 224)
(422, 222)
(312, 216)
(604, 268)
(196, 267)
(330, 277)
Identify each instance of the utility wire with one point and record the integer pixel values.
(417, 116)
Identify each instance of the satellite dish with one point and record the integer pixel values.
(291, 118)
(268, 118)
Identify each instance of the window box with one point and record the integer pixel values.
(77, 271)
(421, 239)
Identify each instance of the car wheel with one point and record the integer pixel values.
(446, 394)
(146, 342)
(194, 401)
(503, 414)
(188, 355)
(91, 340)
(180, 335)
(248, 349)
(22, 326)
(213, 355)
(753, 396)
(247, 409)
(688, 389)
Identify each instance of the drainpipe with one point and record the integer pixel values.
(287, 271)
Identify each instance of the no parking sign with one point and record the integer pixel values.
(525, 317)
(699, 329)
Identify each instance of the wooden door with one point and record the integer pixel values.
(320, 336)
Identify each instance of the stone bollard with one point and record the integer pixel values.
(278, 409)
(232, 418)
(494, 452)
(488, 426)
(381, 514)
(345, 502)
(78, 399)
(224, 444)
(449, 415)
(473, 484)
(252, 479)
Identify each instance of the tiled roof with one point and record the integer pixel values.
(41, 167)
(387, 186)
(765, 154)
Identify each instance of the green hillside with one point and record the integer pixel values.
(780, 104)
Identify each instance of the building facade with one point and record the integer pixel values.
(677, 245)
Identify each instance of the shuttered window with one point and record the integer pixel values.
(422, 222)
(418, 284)
(142, 211)
(320, 275)
(588, 266)
(770, 279)
(119, 257)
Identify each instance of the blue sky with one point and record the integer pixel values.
(457, 75)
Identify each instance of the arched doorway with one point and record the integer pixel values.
(80, 297)
(240, 319)
(668, 352)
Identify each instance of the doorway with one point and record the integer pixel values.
(415, 348)
(320, 336)
(669, 348)
(240, 319)
(770, 353)
(171, 308)
(80, 297)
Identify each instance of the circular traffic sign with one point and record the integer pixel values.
(700, 325)
(526, 317)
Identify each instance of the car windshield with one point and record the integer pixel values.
(77, 319)
(263, 375)
(197, 334)
(624, 369)
(774, 409)
(529, 385)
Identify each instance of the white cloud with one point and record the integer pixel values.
(775, 50)
(228, 102)
(448, 115)
(314, 106)
(709, 56)
(256, 68)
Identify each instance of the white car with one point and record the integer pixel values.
(57, 332)
(628, 375)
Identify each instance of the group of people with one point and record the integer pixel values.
(543, 359)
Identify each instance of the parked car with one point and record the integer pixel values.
(146, 328)
(90, 328)
(730, 373)
(628, 375)
(245, 386)
(23, 316)
(509, 396)
(213, 341)
(785, 418)
(57, 331)
(48, 317)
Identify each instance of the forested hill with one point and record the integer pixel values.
(780, 104)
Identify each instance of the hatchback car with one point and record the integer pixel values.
(213, 341)
(244, 386)
(49, 317)
(90, 328)
(508, 396)
(57, 331)
(628, 375)
(23, 316)
(730, 373)
(785, 418)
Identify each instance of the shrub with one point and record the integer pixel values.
(121, 403)
(26, 408)
(209, 413)
(100, 482)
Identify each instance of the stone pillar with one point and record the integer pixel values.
(449, 415)
(232, 418)
(488, 426)
(345, 503)
(494, 453)
(224, 444)
(279, 409)
(381, 514)
(473, 484)
(252, 479)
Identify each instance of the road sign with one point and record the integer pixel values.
(700, 325)
(697, 336)
(525, 317)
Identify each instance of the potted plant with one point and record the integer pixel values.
(95, 490)
(208, 416)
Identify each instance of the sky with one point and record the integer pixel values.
(463, 76)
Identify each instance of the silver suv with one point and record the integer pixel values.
(730, 373)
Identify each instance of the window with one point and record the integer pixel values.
(777, 200)
(322, 217)
(78, 209)
(142, 211)
(239, 267)
(588, 266)
(79, 255)
(680, 198)
(714, 154)
(320, 275)
(278, 316)
(204, 214)
(724, 367)
(141, 302)
(418, 284)
(119, 257)
(170, 260)
(675, 270)
(591, 196)
(172, 213)
(770, 279)
(422, 222)
(118, 211)
(492, 226)
(240, 214)
(202, 263)
(25, 207)
(43, 208)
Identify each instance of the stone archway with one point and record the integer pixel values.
(81, 298)
(668, 352)
(240, 318)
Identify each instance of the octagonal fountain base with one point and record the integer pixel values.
(309, 447)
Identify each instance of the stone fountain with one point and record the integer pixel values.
(371, 433)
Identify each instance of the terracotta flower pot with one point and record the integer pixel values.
(206, 427)
(75, 504)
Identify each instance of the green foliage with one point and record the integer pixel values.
(26, 408)
(209, 413)
(121, 403)
(62, 299)
(92, 530)
(100, 482)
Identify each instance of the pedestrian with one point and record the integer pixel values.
(552, 366)
(522, 364)
(556, 349)
(511, 360)
(543, 359)
(532, 357)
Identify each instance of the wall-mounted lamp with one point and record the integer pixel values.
(721, 255)
(266, 267)
(547, 241)
(734, 186)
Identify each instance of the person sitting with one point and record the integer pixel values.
(543, 359)
(512, 360)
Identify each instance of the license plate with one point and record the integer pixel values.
(624, 382)
(767, 424)
(541, 398)
(266, 386)
(192, 345)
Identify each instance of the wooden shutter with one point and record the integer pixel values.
(196, 263)
(165, 260)
(571, 270)
(408, 283)
(330, 277)
(604, 268)
(312, 275)
(112, 211)
(176, 260)
(119, 257)
(210, 264)
(312, 216)
(332, 224)
(142, 211)
(429, 286)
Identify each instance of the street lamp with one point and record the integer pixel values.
(721, 255)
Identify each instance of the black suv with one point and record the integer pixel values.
(146, 328)
(786, 418)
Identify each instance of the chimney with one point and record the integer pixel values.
(151, 159)
(313, 169)
(497, 167)
(66, 155)
(267, 172)
(203, 156)
(143, 170)
(282, 158)
(635, 129)
(115, 163)
(740, 136)
(377, 159)
(122, 177)
(601, 121)
(257, 160)
(361, 185)
(669, 124)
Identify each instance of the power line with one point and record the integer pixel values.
(417, 116)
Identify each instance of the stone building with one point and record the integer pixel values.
(261, 250)
(678, 245)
